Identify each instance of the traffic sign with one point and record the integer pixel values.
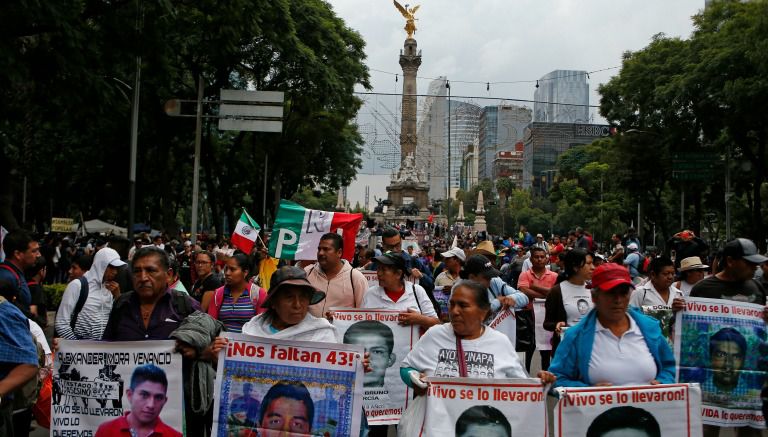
(254, 111)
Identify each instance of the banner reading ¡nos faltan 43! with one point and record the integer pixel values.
(306, 388)
(669, 410)
(385, 396)
(92, 394)
(722, 344)
(485, 407)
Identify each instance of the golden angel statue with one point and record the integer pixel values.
(410, 23)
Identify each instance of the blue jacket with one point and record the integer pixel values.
(500, 288)
(571, 361)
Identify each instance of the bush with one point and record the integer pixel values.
(53, 293)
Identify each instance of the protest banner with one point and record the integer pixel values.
(259, 380)
(543, 337)
(442, 296)
(721, 345)
(61, 224)
(96, 384)
(669, 410)
(666, 317)
(385, 397)
(505, 322)
(487, 407)
(371, 277)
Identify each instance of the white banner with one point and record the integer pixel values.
(385, 396)
(543, 337)
(669, 410)
(370, 276)
(506, 323)
(485, 407)
(322, 383)
(721, 345)
(97, 386)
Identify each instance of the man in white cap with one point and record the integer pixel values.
(692, 270)
(633, 261)
(453, 260)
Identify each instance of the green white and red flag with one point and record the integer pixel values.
(297, 231)
(246, 233)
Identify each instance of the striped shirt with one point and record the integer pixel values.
(236, 314)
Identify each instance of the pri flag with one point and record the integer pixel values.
(297, 231)
(246, 233)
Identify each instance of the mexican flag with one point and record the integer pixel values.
(297, 231)
(246, 233)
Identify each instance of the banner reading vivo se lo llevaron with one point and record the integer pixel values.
(669, 410)
(485, 407)
(98, 387)
(721, 344)
(304, 388)
(385, 396)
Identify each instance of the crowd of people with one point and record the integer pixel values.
(163, 289)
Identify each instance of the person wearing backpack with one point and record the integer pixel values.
(87, 301)
(238, 300)
(634, 262)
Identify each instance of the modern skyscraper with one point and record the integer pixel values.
(464, 130)
(562, 96)
(501, 127)
(432, 139)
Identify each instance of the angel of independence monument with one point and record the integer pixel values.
(408, 191)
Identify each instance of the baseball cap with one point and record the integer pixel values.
(539, 236)
(456, 252)
(632, 246)
(291, 275)
(392, 259)
(609, 275)
(743, 248)
(479, 265)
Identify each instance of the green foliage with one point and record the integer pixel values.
(53, 294)
(68, 68)
(308, 198)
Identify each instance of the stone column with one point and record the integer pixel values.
(410, 60)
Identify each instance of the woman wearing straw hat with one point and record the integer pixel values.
(692, 270)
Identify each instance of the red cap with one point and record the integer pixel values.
(609, 275)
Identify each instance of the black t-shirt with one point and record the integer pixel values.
(185, 269)
(38, 298)
(749, 291)
(210, 283)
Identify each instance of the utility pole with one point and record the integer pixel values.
(448, 188)
(196, 166)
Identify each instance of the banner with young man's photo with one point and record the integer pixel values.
(305, 388)
(101, 388)
(722, 345)
(485, 407)
(666, 317)
(669, 410)
(385, 397)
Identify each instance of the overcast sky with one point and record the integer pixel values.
(502, 41)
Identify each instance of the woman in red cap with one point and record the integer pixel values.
(613, 344)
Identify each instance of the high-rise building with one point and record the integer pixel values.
(562, 96)
(469, 168)
(501, 127)
(464, 130)
(432, 139)
(509, 164)
(545, 142)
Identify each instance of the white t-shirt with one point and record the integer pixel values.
(621, 361)
(577, 300)
(491, 355)
(686, 287)
(377, 298)
(648, 296)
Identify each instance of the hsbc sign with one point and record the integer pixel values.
(592, 130)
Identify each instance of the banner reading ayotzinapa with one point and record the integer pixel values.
(306, 388)
(101, 388)
(669, 410)
(721, 344)
(485, 407)
(385, 396)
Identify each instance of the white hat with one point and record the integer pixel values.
(458, 253)
(632, 246)
(117, 262)
(692, 263)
